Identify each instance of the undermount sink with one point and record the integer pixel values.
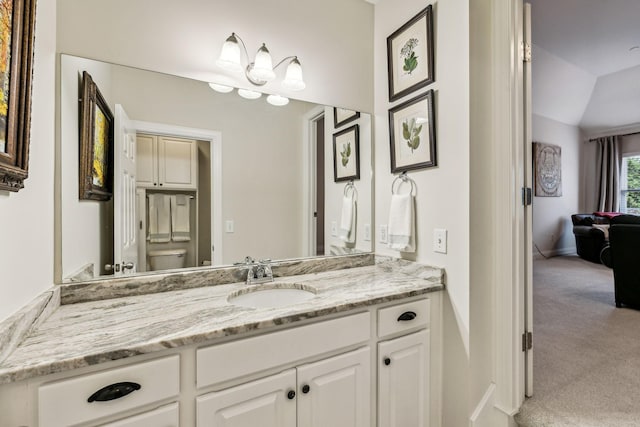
(272, 295)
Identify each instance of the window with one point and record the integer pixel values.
(630, 185)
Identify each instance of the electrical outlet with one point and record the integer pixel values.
(384, 234)
(367, 232)
(228, 226)
(334, 229)
(440, 240)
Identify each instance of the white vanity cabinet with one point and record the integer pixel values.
(404, 396)
(165, 162)
(331, 392)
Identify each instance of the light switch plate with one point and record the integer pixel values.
(334, 228)
(440, 240)
(228, 226)
(384, 234)
(367, 232)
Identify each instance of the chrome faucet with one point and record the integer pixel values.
(259, 272)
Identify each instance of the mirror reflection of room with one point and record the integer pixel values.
(258, 180)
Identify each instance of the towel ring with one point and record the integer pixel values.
(403, 179)
(352, 187)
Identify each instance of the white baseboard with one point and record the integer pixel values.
(571, 250)
(484, 415)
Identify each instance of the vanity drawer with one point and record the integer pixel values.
(66, 402)
(403, 317)
(224, 362)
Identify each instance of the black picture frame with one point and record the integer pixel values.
(344, 169)
(342, 116)
(406, 123)
(413, 42)
(96, 148)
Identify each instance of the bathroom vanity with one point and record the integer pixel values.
(365, 350)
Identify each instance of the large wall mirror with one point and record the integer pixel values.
(214, 178)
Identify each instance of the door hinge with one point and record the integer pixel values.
(525, 52)
(527, 341)
(526, 196)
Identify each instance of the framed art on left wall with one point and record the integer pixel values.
(17, 30)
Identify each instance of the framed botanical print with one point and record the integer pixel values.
(346, 154)
(412, 134)
(410, 55)
(17, 27)
(342, 116)
(96, 143)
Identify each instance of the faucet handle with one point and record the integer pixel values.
(264, 261)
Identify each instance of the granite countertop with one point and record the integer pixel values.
(93, 332)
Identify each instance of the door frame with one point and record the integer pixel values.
(309, 178)
(215, 143)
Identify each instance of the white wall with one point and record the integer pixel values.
(184, 38)
(552, 227)
(27, 249)
(442, 192)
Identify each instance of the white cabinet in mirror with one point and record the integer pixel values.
(264, 178)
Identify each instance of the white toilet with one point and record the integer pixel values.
(167, 259)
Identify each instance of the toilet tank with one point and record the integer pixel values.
(167, 259)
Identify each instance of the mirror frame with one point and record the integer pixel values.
(14, 162)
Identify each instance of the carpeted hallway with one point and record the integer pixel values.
(586, 351)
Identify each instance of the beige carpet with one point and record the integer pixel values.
(586, 351)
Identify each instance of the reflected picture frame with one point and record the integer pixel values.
(17, 48)
(96, 143)
(410, 58)
(346, 154)
(342, 116)
(412, 134)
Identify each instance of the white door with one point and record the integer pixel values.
(336, 392)
(528, 208)
(403, 381)
(165, 416)
(267, 402)
(125, 232)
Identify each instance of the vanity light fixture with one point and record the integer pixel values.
(220, 88)
(277, 100)
(261, 70)
(249, 94)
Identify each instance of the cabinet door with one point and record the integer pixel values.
(147, 161)
(336, 392)
(403, 381)
(177, 162)
(266, 403)
(166, 416)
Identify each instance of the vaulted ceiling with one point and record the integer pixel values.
(586, 67)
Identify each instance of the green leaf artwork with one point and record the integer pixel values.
(408, 54)
(411, 133)
(345, 153)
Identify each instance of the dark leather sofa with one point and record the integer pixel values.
(624, 258)
(589, 240)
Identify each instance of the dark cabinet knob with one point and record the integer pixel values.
(291, 394)
(113, 391)
(160, 184)
(406, 316)
(387, 361)
(306, 388)
(155, 183)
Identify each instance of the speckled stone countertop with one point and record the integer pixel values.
(93, 332)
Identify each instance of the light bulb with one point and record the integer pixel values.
(263, 65)
(293, 77)
(230, 55)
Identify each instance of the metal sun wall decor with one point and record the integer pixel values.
(547, 166)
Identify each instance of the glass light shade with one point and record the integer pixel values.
(277, 100)
(293, 77)
(220, 88)
(263, 65)
(230, 55)
(249, 94)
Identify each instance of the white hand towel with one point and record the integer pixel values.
(159, 218)
(402, 223)
(180, 231)
(348, 219)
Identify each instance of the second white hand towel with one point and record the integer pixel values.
(402, 223)
(348, 219)
(180, 230)
(159, 218)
